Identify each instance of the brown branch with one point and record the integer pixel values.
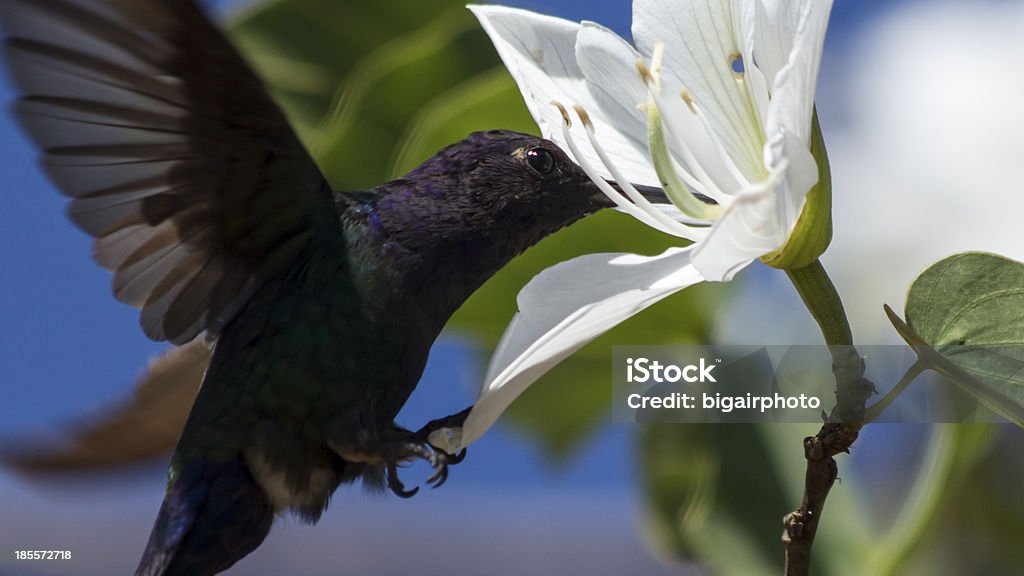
(837, 434)
(801, 525)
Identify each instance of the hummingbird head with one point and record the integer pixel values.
(475, 205)
(501, 179)
(521, 176)
(499, 188)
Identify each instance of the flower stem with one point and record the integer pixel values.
(841, 426)
(820, 296)
(822, 300)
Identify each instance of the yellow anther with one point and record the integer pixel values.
(584, 117)
(644, 71)
(688, 98)
(565, 113)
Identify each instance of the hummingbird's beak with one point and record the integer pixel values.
(653, 194)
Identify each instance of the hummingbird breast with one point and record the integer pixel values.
(314, 360)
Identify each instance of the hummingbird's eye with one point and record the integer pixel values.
(541, 160)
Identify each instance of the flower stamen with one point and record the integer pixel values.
(565, 113)
(688, 99)
(614, 195)
(657, 57)
(665, 167)
(725, 157)
(644, 71)
(681, 230)
(699, 181)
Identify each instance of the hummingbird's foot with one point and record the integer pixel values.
(422, 450)
(451, 421)
(400, 446)
(445, 426)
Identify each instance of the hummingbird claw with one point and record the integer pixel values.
(440, 475)
(395, 484)
(453, 460)
(444, 461)
(437, 459)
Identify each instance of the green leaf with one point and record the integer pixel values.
(969, 312)
(373, 89)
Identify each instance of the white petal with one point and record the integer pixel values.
(801, 175)
(763, 52)
(564, 308)
(769, 38)
(540, 53)
(743, 234)
(793, 90)
(687, 132)
(777, 25)
(759, 221)
(609, 65)
(700, 44)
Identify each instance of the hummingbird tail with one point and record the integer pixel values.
(212, 516)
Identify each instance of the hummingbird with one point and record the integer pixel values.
(320, 306)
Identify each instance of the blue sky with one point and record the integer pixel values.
(68, 349)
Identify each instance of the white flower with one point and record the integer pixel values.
(716, 99)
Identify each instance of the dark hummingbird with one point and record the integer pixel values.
(321, 306)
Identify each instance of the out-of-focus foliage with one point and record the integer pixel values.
(980, 529)
(717, 494)
(952, 457)
(374, 88)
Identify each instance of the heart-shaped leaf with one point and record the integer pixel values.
(965, 317)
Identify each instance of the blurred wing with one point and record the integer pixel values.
(146, 427)
(173, 154)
